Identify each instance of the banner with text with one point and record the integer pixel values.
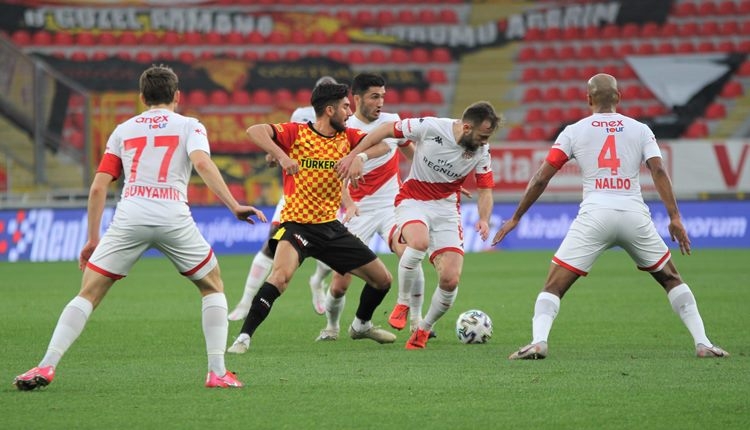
(59, 234)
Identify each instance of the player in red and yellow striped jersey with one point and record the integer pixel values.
(307, 154)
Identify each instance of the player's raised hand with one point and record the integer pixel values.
(271, 161)
(506, 228)
(466, 192)
(351, 168)
(350, 213)
(244, 213)
(679, 234)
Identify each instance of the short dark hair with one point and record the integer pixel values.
(327, 95)
(158, 84)
(479, 112)
(363, 81)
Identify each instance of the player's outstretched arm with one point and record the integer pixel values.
(534, 189)
(261, 135)
(484, 205)
(664, 187)
(212, 177)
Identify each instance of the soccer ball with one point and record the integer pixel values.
(474, 326)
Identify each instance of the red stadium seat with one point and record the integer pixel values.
(537, 133)
(420, 55)
(554, 115)
(340, 37)
(218, 98)
(240, 98)
(630, 31)
(575, 113)
(196, 99)
(552, 93)
(726, 8)
(437, 76)
(574, 94)
(732, 89)
(41, 38)
(696, 130)
(650, 30)
(716, 111)
(665, 48)
(213, 38)
(283, 97)
(552, 34)
(654, 110)
(527, 53)
(534, 115)
(684, 9)
(442, 55)
(516, 133)
(688, 29)
(356, 56)
(607, 50)
(235, 38)
(549, 74)
(610, 31)
(399, 56)
(709, 28)
(571, 33)
(569, 73)
(530, 74)
(302, 96)
(729, 28)
(385, 17)
(318, 37)
(744, 69)
(707, 8)
(567, 52)
(448, 16)
(685, 47)
(144, 57)
(378, 56)
(86, 38)
(532, 94)
(669, 29)
(426, 16)
(21, 38)
(411, 96)
(262, 97)
(433, 96)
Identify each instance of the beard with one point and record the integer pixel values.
(337, 125)
(468, 144)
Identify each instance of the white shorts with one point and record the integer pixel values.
(369, 222)
(595, 231)
(443, 221)
(122, 246)
(277, 212)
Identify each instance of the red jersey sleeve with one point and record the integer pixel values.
(556, 157)
(110, 164)
(398, 132)
(284, 134)
(484, 180)
(355, 136)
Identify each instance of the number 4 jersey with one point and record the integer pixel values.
(152, 150)
(609, 149)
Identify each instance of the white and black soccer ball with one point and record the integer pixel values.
(474, 326)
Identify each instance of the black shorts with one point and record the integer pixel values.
(329, 242)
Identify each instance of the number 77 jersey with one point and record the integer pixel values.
(609, 149)
(153, 151)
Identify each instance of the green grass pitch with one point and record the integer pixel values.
(619, 357)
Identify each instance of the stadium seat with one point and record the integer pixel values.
(726, 8)
(567, 52)
(572, 33)
(433, 96)
(716, 111)
(427, 16)
(21, 38)
(420, 55)
(336, 55)
(569, 73)
(392, 96)
(688, 29)
(649, 30)
(547, 53)
(283, 97)
(356, 56)
(645, 48)
(697, 130)
(707, 8)
(404, 113)
(340, 37)
(85, 38)
(385, 17)
(552, 93)
(630, 30)
(437, 76)
(250, 55)
(318, 37)
(298, 37)
(516, 133)
(302, 96)
(732, 89)
(626, 72)
(448, 16)
(400, 56)
(378, 56)
(262, 97)
(240, 98)
(144, 57)
(684, 9)
(744, 69)
(729, 28)
(255, 38)
(534, 115)
(218, 98)
(235, 38)
(669, 29)
(633, 111)
(212, 38)
(575, 113)
(610, 31)
(654, 110)
(531, 95)
(554, 115)
(537, 133)
(277, 37)
(41, 38)
(552, 34)
(574, 93)
(705, 46)
(292, 55)
(685, 47)
(590, 33)
(442, 55)
(665, 48)
(607, 50)
(527, 53)
(81, 56)
(196, 99)
(549, 74)
(411, 96)
(708, 28)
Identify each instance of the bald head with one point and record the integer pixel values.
(603, 92)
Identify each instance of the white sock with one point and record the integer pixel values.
(545, 310)
(416, 298)
(441, 301)
(684, 305)
(259, 270)
(321, 271)
(334, 306)
(409, 268)
(361, 326)
(215, 329)
(69, 326)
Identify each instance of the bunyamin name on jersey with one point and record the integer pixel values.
(151, 192)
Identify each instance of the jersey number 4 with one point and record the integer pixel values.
(608, 155)
(140, 144)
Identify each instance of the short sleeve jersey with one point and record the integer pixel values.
(154, 149)
(381, 180)
(313, 195)
(610, 149)
(440, 164)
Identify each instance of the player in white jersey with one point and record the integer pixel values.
(369, 208)
(610, 149)
(263, 260)
(156, 151)
(428, 213)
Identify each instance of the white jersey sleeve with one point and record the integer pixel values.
(609, 149)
